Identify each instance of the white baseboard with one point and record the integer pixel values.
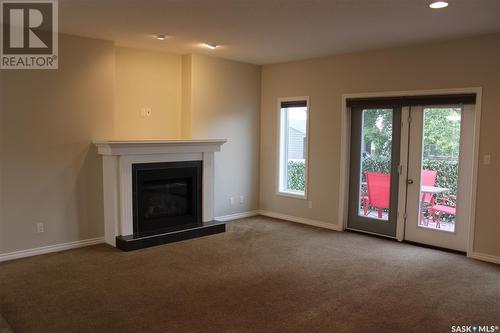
(50, 248)
(236, 216)
(484, 257)
(302, 220)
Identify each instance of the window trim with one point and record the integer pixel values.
(279, 150)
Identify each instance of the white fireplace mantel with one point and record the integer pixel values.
(118, 157)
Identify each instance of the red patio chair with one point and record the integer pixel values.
(379, 190)
(364, 198)
(364, 201)
(445, 205)
(428, 179)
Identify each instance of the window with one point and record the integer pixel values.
(292, 170)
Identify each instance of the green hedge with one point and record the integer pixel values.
(374, 164)
(447, 170)
(296, 176)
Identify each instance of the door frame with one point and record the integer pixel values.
(345, 143)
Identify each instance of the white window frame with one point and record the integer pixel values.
(281, 152)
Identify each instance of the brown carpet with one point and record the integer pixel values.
(263, 275)
(4, 326)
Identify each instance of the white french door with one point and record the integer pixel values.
(411, 168)
(438, 179)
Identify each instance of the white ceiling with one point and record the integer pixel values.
(270, 31)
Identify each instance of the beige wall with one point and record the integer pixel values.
(473, 62)
(152, 80)
(186, 96)
(225, 103)
(50, 170)
(194, 96)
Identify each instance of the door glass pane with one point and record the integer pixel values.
(439, 177)
(375, 171)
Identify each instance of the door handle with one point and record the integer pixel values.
(409, 181)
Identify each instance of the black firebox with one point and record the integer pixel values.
(166, 196)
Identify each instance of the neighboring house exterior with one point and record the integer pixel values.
(296, 144)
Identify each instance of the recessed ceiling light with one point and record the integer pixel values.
(160, 36)
(211, 46)
(438, 4)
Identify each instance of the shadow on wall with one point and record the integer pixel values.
(89, 195)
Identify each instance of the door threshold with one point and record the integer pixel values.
(371, 233)
(434, 247)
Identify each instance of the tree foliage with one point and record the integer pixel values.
(377, 132)
(441, 133)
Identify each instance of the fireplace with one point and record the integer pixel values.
(158, 191)
(166, 196)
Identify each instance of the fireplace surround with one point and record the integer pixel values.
(121, 158)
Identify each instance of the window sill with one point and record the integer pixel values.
(294, 195)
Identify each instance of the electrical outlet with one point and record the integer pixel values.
(487, 159)
(40, 228)
(146, 111)
(231, 200)
(310, 204)
(242, 198)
